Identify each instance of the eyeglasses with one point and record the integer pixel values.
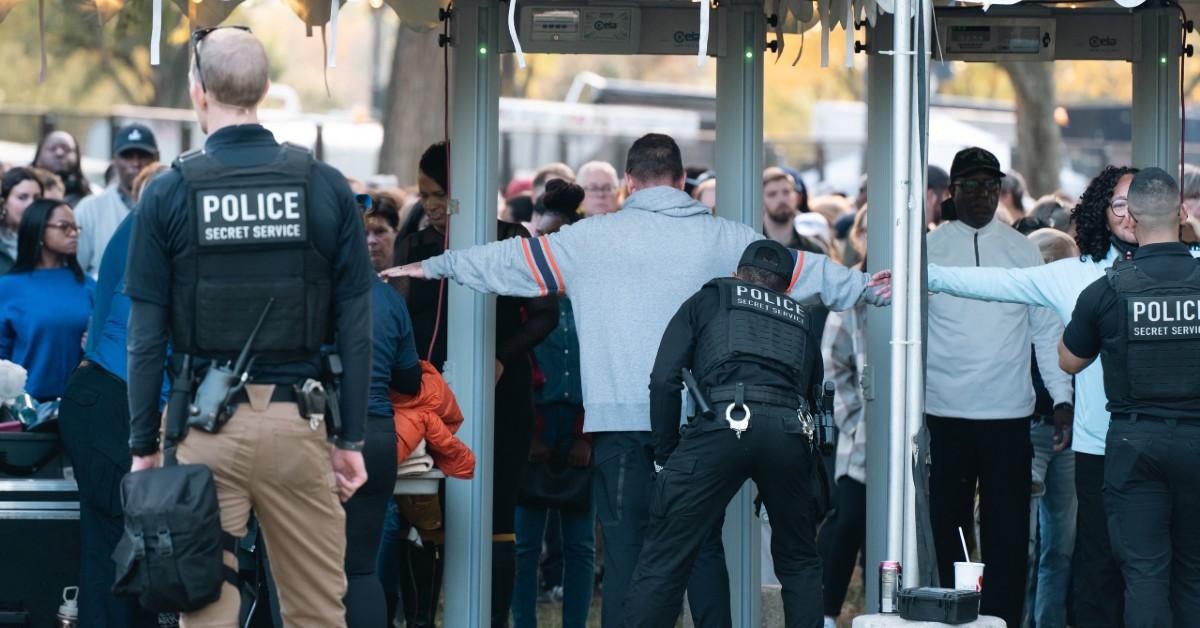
(1119, 206)
(198, 35)
(68, 228)
(972, 186)
(600, 189)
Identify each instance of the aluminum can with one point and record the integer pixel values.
(889, 586)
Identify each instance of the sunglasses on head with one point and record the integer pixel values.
(198, 35)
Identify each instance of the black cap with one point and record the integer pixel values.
(135, 137)
(972, 160)
(770, 256)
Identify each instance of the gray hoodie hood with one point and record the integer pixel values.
(667, 201)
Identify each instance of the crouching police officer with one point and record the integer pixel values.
(1143, 319)
(756, 362)
(243, 232)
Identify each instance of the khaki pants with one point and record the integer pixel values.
(266, 459)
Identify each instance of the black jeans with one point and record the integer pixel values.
(995, 455)
(94, 424)
(365, 604)
(690, 496)
(622, 483)
(1096, 582)
(1152, 496)
(841, 539)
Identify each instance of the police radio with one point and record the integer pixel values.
(825, 435)
(211, 408)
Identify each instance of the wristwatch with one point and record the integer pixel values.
(1064, 404)
(348, 445)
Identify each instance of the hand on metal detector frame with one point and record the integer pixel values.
(882, 282)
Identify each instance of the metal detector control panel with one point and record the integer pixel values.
(612, 29)
(994, 39)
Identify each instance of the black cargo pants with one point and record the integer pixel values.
(690, 495)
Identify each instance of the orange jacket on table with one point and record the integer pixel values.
(432, 414)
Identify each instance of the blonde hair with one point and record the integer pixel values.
(1054, 244)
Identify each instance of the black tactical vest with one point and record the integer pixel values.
(755, 324)
(1153, 366)
(251, 240)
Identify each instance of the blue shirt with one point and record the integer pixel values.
(392, 345)
(43, 315)
(558, 359)
(110, 315)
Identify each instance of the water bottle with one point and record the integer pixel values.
(68, 612)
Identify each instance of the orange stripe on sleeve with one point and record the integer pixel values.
(562, 285)
(532, 267)
(796, 273)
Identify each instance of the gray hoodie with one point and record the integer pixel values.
(626, 274)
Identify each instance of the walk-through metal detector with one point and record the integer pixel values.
(1148, 37)
(479, 33)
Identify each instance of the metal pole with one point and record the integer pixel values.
(471, 316)
(877, 388)
(1155, 106)
(739, 159)
(901, 151)
(916, 231)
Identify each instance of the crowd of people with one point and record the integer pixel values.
(1017, 465)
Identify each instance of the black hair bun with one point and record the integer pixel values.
(562, 196)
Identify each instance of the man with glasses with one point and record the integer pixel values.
(245, 228)
(979, 395)
(601, 188)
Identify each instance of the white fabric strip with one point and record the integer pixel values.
(155, 32)
(512, 32)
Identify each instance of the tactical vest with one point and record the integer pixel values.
(251, 239)
(754, 324)
(1156, 356)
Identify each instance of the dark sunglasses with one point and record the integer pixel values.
(198, 35)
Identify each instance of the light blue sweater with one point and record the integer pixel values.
(1055, 285)
(626, 274)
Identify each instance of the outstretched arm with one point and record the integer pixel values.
(520, 267)
(1032, 285)
(838, 287)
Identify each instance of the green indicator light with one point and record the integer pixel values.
(1162, 60)
(482, 50)
(749, 54)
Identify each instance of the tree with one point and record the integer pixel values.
(1038, 138)
(414, 104)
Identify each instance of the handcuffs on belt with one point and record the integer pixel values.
(739, 399)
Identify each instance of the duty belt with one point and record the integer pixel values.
(738, 395)
(769, 395)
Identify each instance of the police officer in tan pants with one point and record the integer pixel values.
(244, 229)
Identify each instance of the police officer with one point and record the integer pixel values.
(242, 227)
(756, 361)
(1143, 320)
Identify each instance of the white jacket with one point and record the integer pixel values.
(978, 361)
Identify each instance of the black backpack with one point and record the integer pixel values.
(170, 556)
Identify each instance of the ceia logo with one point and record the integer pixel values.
(1096, 41)
(682, 37)
(601, 25)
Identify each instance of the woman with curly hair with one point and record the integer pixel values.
(1104, 232)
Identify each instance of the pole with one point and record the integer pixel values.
(901, 151)
(915, 401)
